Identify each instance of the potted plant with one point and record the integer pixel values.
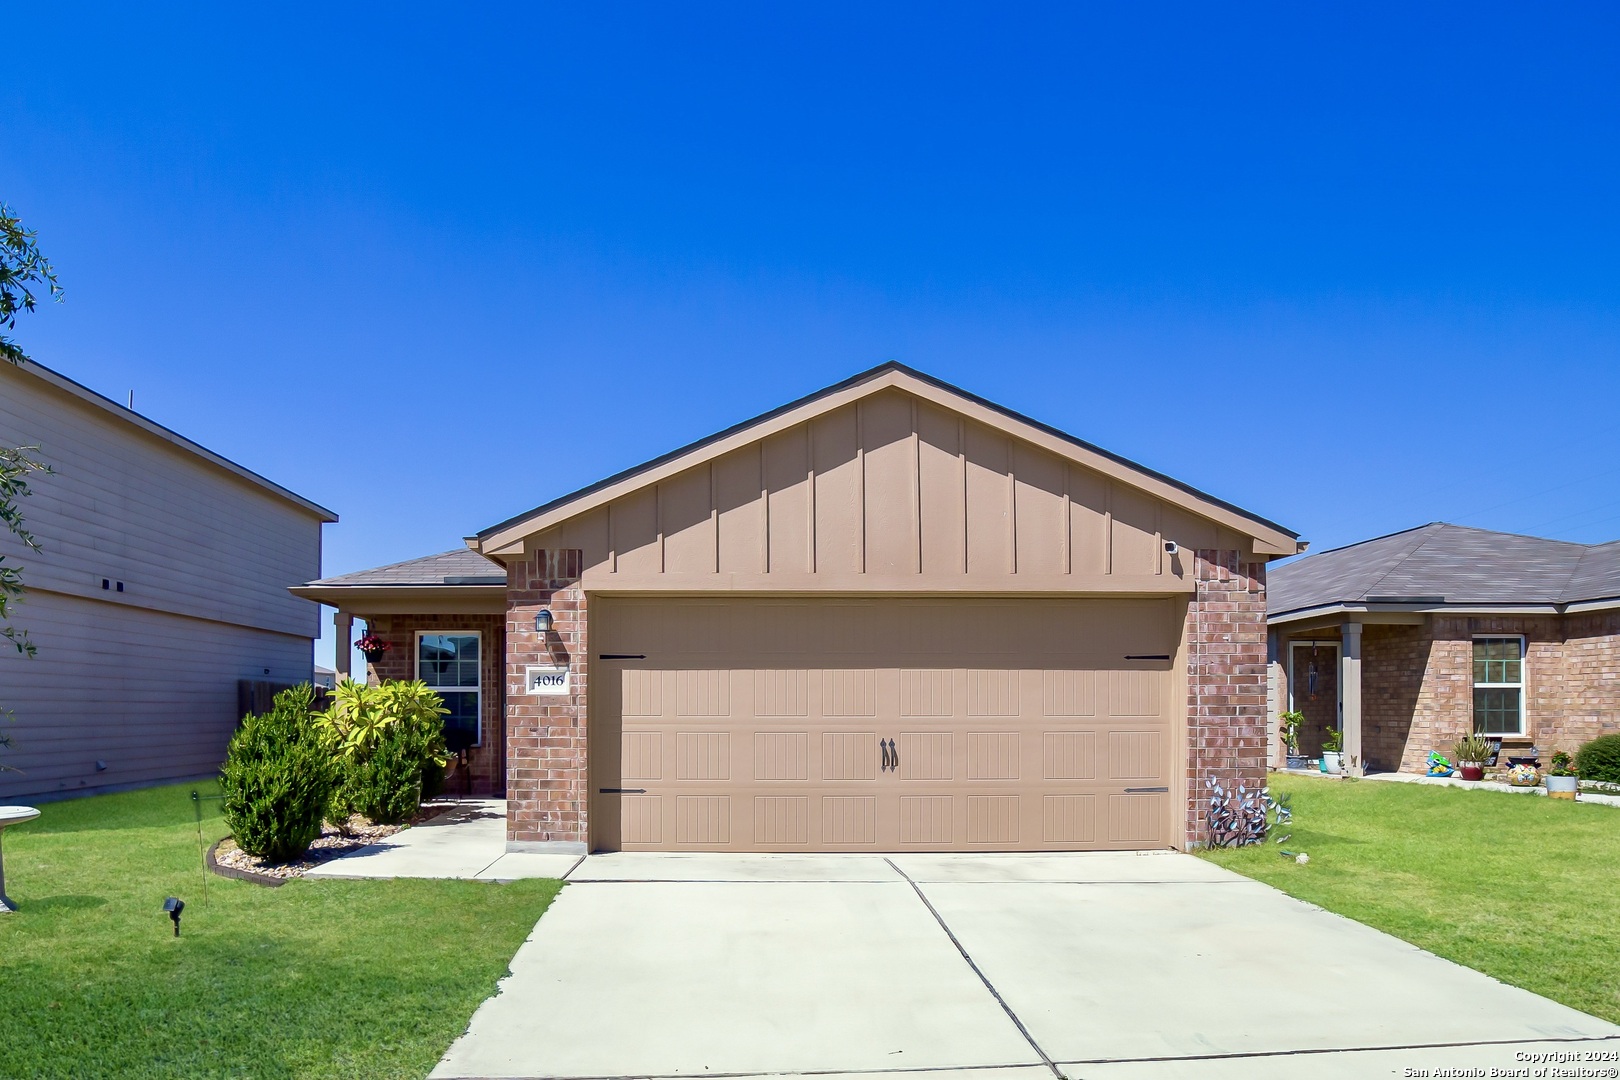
(1288, 727)
(372, 647)
(1472, 751)
(1333, 752)
(1562, 780)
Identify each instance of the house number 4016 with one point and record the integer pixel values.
(546, 680)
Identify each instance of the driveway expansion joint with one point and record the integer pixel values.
(988, 985)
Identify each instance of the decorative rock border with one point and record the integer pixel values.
(241, 875)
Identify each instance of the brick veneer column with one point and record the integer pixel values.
(547, 798)
(1226, 680)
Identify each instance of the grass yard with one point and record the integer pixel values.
(314, 979)
(1523, 888)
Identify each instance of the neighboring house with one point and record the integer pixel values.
(888, 616)
(325, 678)
(159, 590)
(1419, 637)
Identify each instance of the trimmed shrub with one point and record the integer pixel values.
(1600, 760)
(388, 785)
(277, 779)
(389, 744)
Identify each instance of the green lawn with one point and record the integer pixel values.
(314, 979)
(1523, 888)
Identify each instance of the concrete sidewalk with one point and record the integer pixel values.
(467, 841)
(1017, 967)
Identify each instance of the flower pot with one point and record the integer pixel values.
(1472, 771)
(1332, 763)
(1563, 787)
(1523, 775)
(373, 657)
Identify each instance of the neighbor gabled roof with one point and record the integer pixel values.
(1441, 565)
(116, 413)
(1270, 537)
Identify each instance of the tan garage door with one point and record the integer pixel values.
(882, 725)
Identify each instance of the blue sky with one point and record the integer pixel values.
(1352, 267)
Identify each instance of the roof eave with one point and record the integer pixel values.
(1270, 539)
(77, 390)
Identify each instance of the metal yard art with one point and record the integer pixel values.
(1243, 818)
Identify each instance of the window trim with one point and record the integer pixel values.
(1522, 686)
(478, 692)
(1337, 645)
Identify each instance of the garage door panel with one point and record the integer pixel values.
(1069, 819)
(925, 755)
(781, 755)
(849, 821)
(782, 821)
(993, 755)
(747, 744)
(927, 820)
(1136, 755)
(1069, 755)
(703, 820)
(643, 757)
(703, 755)
(1136, 819)
(850, 755)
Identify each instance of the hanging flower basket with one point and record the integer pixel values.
(373, 647)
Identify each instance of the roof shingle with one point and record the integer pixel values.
(459, 567)
(1451, 564)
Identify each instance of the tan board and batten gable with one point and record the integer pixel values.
(888, 617)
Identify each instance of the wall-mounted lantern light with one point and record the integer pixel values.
(542, 622)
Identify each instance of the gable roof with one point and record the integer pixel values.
(458, 567)
(1444, 565)
(1270, 537)
(117, 413)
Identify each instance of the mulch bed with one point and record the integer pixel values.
(228, 860)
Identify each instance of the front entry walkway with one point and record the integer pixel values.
(998, 967)
(466, 841)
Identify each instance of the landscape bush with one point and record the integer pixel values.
(388, 741)
(1600, 760)
(278, 779)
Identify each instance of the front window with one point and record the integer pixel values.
(1499, 685)
(448, 663)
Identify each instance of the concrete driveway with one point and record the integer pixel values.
(999, 967)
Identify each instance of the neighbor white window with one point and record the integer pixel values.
(448, 663)
(1499, 685)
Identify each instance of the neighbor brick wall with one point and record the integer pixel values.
(547, 797)
(1393, 660)
(1226, 680)
(1418, 688)
(487, 761)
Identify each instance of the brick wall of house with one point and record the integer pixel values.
(1226, 680)
(547, 793)
(487, 760)
(1393, 660)
(1418, 684)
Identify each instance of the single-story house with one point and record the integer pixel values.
(1410, 641)
(157, 601)
(888, 616)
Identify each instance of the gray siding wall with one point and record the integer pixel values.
(150, 694)
(184, 536)
(144, 679)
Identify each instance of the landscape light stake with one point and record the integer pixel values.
(174, 906)
(202, 852)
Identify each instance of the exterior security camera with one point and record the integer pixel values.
(1171, 547)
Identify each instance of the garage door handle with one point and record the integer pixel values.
(1144, 790)
(891, 759)
(621, 791)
